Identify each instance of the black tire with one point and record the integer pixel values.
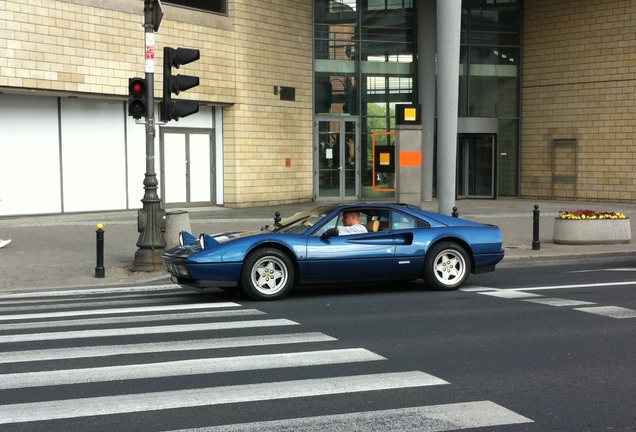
(447, 266)
(268, 274)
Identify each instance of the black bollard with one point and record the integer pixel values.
(536, 244)
(455, 213)
(100, 271)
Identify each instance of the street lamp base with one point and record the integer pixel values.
(147, 260)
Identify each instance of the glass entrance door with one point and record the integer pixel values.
(187, 166)
(336, 156)
(476, 166)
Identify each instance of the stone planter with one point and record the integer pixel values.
(591, 231)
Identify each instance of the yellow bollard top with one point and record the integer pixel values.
(100, 226)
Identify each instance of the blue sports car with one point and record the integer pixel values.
(389, 242)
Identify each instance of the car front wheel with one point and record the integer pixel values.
(268, 274)
(446, 267)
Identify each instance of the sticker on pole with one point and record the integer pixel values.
(150, 53)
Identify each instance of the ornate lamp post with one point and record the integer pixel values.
(150, 219)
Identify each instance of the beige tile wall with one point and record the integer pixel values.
(90, 48)
(273, 48)
(579, 82)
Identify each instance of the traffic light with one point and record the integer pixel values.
(174, 110)
(137, 91)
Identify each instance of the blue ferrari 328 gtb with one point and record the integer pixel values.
(400, 242)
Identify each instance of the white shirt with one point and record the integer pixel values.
(353, 229)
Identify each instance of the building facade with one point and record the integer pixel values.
(69, 145)
(579, 100)
(294, 95)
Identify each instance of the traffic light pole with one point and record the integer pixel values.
(150, 219)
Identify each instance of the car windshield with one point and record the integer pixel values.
(301, 222)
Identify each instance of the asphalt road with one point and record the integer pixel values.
(532, 347)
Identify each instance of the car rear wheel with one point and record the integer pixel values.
(447, 266)
(268, 274)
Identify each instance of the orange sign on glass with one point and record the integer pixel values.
(383, 159)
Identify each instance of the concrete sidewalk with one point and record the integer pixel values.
(60, 250)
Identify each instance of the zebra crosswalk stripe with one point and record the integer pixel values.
(72, 408)
(132, 319)
(431, 418)
(185, 367)
(115, 311)
(159, 347)
(179, 328)
(166, 288)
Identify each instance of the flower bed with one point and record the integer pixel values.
(589, 227)
(590, 214)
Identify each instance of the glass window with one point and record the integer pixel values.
(335, 94)
(367, 218)
(489, 83)
(300, 222)
(389, 4)
(463, 82)
(334, 42)
(493, 86)
(380, 121)
(361, 51)
(400, 220)
(217, 6)
(387, 33)
(335, 54)
(490, 58)
(494, 22)
(364, 64)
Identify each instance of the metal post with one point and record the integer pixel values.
(455, 213)
(426, 69)
(150, 219)
(536, 244)
(449, 17)
(100, 272)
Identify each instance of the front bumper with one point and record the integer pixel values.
(203, 275)
(201, 283)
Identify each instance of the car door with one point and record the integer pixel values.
(354, 256)
(410, 240)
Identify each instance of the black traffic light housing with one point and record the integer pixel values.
(137, 91)
(174, 110)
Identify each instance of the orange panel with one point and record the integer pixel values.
(410, 158)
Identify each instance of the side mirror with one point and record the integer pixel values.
(331, 232)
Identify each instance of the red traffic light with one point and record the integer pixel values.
(137, 87)
(137, 97)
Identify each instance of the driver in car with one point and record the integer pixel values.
(352, 225)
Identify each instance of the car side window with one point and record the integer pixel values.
(338, 221)
(377, 220)
(363, 217)
(401, 220)
(332, 223)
